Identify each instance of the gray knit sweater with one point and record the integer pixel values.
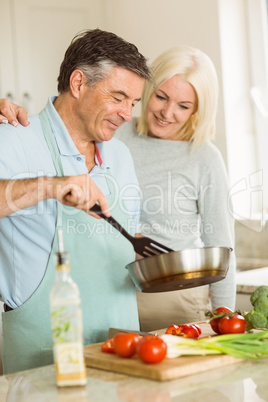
(184, 198)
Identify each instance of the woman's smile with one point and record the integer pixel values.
(162, 122)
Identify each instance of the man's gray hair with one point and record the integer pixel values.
(96, 52)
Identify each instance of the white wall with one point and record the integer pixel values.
(34, 37)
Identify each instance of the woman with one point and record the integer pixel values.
(183, 179)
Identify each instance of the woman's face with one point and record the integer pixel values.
(169, 108)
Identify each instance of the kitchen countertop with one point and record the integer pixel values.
(247, 281)
(240, 382)
(243, 381)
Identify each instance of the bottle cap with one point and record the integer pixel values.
(62, 256)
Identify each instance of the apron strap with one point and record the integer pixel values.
(51, 142)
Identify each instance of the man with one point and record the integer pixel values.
(46, 172)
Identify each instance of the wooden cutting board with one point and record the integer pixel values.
(168, 369)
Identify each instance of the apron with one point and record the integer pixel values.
(97, 259)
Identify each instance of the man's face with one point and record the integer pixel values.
(102, 109)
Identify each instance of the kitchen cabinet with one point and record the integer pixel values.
(34, 36)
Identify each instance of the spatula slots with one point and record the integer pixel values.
(142, 245)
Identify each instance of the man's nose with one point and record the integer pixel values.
(126, 112)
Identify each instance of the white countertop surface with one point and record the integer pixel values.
(248, 281)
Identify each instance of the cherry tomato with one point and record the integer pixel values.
(125, 344)
(232, 325)
(215, 322)
(152, 349)
(108, 346)
(143, 339)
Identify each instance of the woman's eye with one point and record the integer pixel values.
(160, 97)
(183, 107)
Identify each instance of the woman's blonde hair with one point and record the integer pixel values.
(196, 68)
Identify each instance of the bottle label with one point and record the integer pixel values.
(69, 359)
(67, 331)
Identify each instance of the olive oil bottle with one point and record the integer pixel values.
(67, 324)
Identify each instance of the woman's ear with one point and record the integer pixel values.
(76, 81)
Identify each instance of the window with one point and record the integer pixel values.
(244, 33)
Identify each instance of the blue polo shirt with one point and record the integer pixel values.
(26, 236)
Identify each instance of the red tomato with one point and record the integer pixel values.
(152, 349)
(232, 325)
(108, 346)
(215, 322)
(143, 339)
(125, 344)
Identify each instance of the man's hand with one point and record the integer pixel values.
(79, 192)
(12, 113)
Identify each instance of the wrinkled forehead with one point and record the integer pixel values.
(123, 81)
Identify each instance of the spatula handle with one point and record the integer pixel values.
(96, 208)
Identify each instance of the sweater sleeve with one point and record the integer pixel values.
(217, 227)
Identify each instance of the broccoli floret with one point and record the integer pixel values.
(257, 319)
(260, 293)
(261, 306)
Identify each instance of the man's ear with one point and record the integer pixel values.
(76, 81)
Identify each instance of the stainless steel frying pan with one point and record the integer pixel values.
(173, 270)
(178, 270)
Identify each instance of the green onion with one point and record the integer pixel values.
(245, 346)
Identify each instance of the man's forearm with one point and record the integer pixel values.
(79, 192)
(20, 194)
